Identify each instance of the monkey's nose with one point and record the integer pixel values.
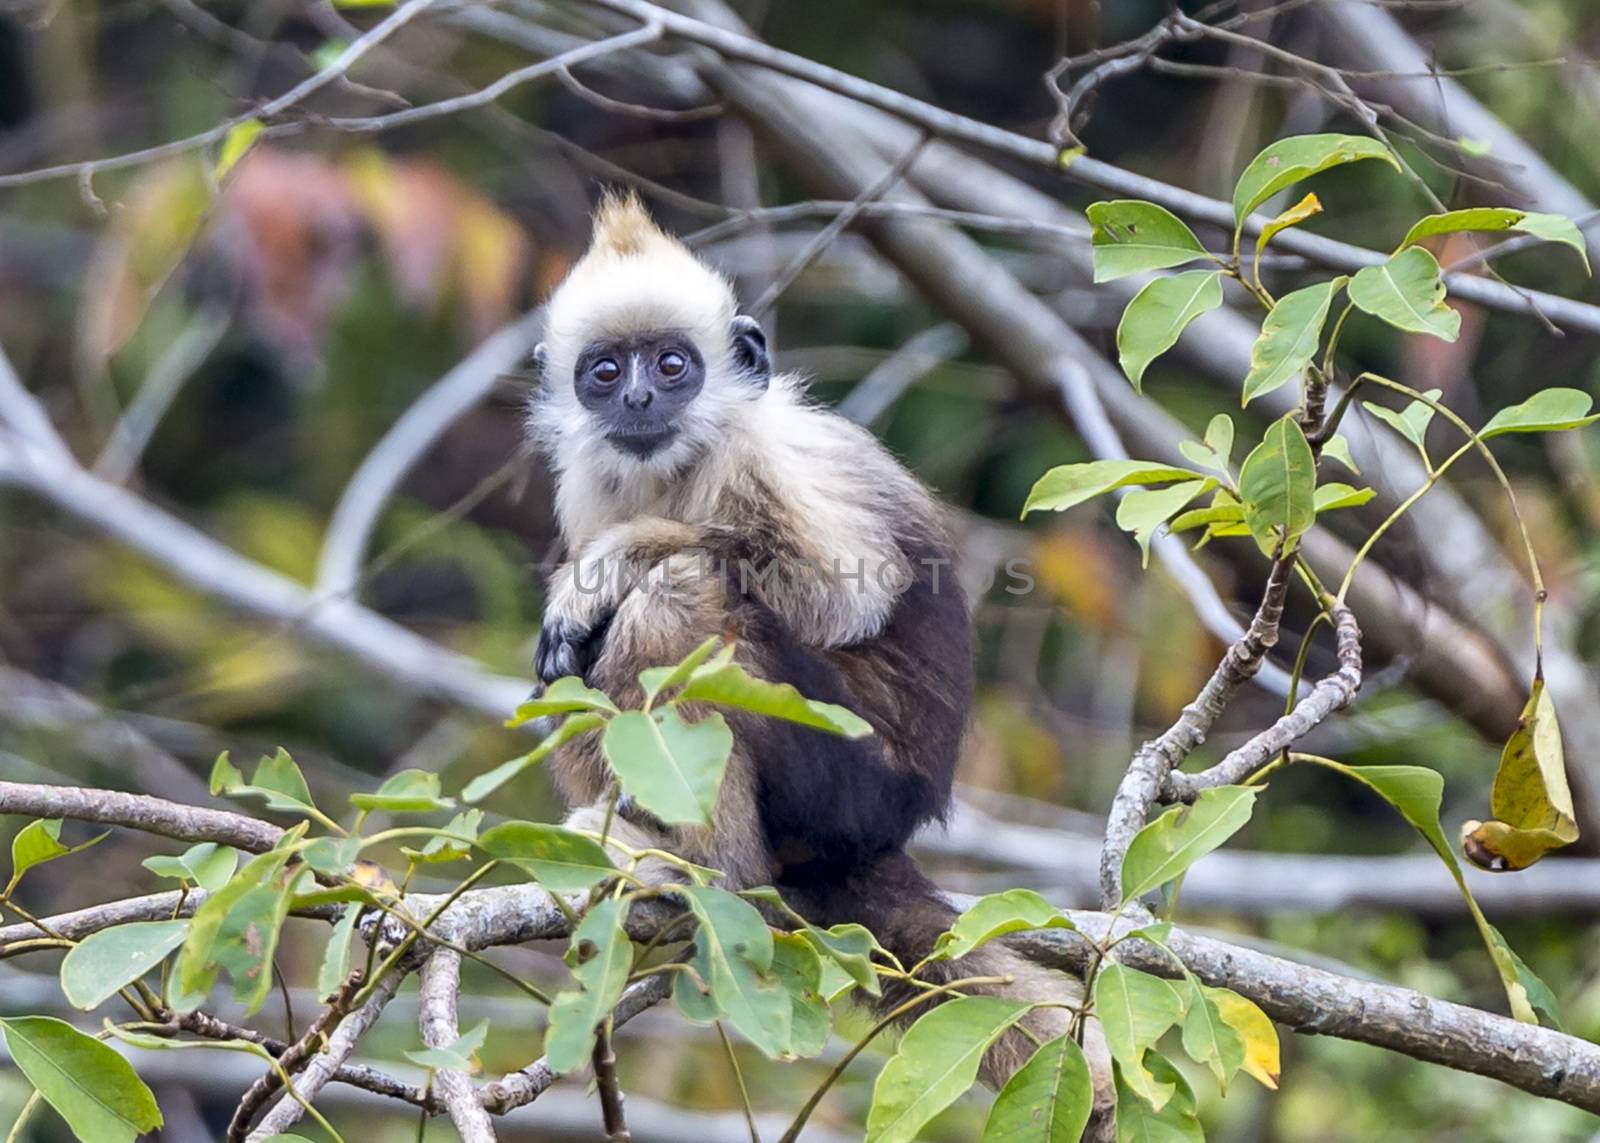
(638, 399)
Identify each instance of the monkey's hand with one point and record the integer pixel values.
(575, 622)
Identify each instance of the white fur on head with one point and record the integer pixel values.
(635, 278)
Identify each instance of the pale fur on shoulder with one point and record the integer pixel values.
(825, 484)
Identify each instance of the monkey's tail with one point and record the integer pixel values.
(906, 912)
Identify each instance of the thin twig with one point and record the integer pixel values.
(1141, 786)
(1331, 694)
(288, 1110)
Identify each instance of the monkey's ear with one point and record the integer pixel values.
(750, 350)
(533, 364)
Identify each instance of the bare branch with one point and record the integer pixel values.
(266, 113)
(141, 812)
(287, 1111)
(523, 1087)
(179, 362)
(441, 985)
(1332, 693)
(202, 562)
(372, 124)
(408, 440)
(1141, 786)
(21, 412)
(1091, 172)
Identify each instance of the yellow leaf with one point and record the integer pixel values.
(1530, 801)
(1294, 216)
(1255, 1027)
(236, 145)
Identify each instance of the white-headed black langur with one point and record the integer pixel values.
(672, 440)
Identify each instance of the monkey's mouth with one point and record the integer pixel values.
(642, 440)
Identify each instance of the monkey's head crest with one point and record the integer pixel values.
(645, 354)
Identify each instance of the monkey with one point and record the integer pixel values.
(675, 448)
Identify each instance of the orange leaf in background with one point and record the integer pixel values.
(441, 238)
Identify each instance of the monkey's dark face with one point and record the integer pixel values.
(639, 387)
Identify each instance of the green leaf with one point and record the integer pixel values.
(87, 1082)
(1208, 1038)
(1408, 293)
(277, 781)
(1048, 1100)
(332, 855)
(798, 969)
(458, 1054)
(937, 1060)
(1174, 1121)
(558, 859)
(236, 145)
(1182, 835)
(1530, 801)
(1549, 410)
(335, 965)
(206, 864)
(1339, 449)
(1289, 338)
(1476, 218)
(1336, 495)
(601, 958)
(671, 767)
(848, 947)
(1308, 207)
(563, 696)
(1068, 485)
(1130, 236)
(1286, 162)
(654, 680)
(571, 727)
(1158, 315)
(102, 963)
(1417, 793)
(1550, 227)
(1277, 485)
(1556, 228)
(729, 684)
(236, 930)
(1411, 422)
(445, 846)
(995, 915)
(1135, 1011)
(734, 954)
(39, 842)
(1217, 450)
(1143, 511)
(408, 792)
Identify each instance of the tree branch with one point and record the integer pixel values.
(441, 985)
(1332, 693)
(1316, 1002)
(407, 441)
(287, 1111)
(138, 811)
(1091, 172)
(1141, 786)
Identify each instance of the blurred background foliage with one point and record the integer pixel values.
(298, 312)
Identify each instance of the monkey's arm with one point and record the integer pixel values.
(585, 591)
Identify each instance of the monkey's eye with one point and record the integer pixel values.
(605, 371)
(672, 363)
